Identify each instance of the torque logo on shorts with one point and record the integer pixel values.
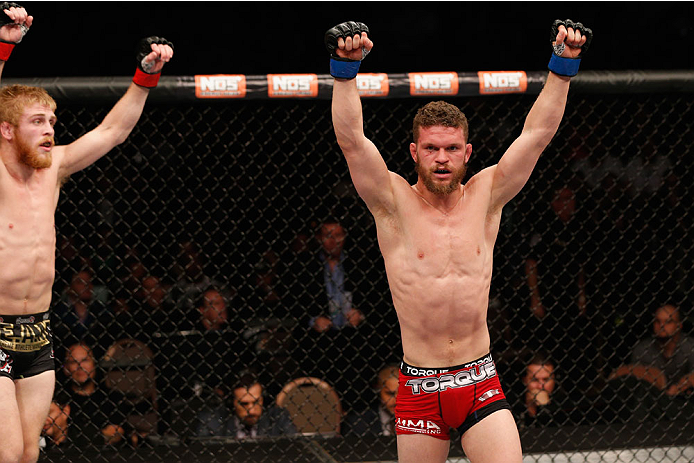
(292, 85)
(420, 426)
(220, 86)
(433, 83)
(372, 84)
(496, 82)
(482, 361)
(414, 371)
(462, 378)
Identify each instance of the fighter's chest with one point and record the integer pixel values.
(456, 239)
(27, 203)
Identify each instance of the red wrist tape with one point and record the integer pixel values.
(5, 50)
(146, 80)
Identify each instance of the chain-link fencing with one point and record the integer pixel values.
(188, 270)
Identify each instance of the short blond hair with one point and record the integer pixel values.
(15, 98)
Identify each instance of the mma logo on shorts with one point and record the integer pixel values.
(462, 378)
(419, 426)
(5, 362)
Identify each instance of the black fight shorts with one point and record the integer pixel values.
(26, 345)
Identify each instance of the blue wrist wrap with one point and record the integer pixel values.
(567, 67)
(344, 69)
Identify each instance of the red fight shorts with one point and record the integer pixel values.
(433, 400)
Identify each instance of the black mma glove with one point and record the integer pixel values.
(143, 76)
(7, 47)
(344, 68)
(567, 67)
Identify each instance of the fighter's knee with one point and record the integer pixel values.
(10, 453)
(30, 454)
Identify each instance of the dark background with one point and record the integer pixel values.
(98, 38)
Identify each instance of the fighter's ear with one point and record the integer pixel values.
(413, 151)
(7, 130)
(468, 152)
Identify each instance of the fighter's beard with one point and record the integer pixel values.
(29, 157)
(440, 189)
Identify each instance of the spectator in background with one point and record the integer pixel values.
(262, 290)
(154, 312)
(540, 406)
(55, 426)
(242, 415)
(122, 308)
(191, 279)
(663, 367)
(333, 337)
(267, 279)
(264, 313)
(213, 310)
(83, 413)
(154, 292)
(79, 315)
(544, 401)
(197, 359)
(380, 419)
(562, 319)
(329, 284)
(210, 349)
(131, 272)
(130, 381)
(70, 259)
(550, 286)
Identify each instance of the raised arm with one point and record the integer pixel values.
(570, 41)
(14, 24)
(349, 44)
(120, 121)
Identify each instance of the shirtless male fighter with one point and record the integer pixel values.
(437, 238)
(31, 172)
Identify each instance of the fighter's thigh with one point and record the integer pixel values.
(422, 448)
(10, 427)
(494, 439)
(34, 396)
